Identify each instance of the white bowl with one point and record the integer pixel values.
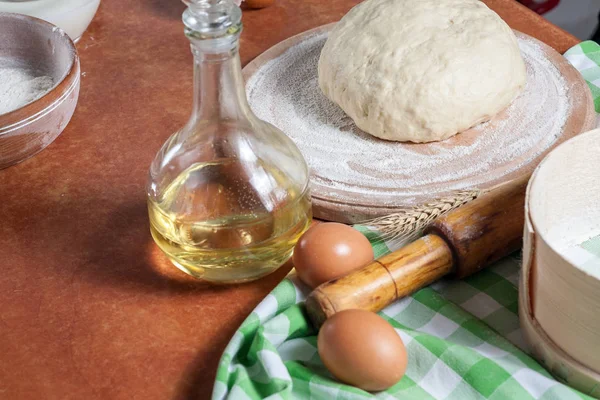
(72, 16)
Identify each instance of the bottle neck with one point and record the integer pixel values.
(219, 92)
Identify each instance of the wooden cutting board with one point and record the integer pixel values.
(355, 176)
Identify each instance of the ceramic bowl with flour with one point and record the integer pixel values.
(39, 85)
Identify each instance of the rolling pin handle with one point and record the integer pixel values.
(385, 280)
(486, 229)
(461, 242)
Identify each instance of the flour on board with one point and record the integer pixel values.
(346, 162)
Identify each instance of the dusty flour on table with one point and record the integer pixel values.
(347, 162)
(19, 86)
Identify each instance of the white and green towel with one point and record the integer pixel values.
(463, 337)
(586, 58)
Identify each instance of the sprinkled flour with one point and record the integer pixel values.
(348, 163)
(19, 86)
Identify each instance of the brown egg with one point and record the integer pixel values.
(258, 3)
(328, 251)
(362, 349)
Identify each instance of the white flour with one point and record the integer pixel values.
(19, 86)
(347, 163)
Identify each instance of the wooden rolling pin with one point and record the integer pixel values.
(459, 243)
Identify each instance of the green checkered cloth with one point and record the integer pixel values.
(462, 336)
(586, 58)
(592, 245)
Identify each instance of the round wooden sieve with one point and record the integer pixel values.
(559, 294)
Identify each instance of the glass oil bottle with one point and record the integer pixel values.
(228, 194)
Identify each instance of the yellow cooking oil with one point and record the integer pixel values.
(212, 224)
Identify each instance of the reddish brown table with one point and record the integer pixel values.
(89, 307)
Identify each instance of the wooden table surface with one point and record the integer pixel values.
(90, 309)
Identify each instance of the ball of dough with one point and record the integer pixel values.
(421, 70)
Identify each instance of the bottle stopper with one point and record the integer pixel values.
(212, 18)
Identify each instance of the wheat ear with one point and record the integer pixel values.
(408, 224)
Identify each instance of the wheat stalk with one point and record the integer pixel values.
(406, 225)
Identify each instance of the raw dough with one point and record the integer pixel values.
(421, 70)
